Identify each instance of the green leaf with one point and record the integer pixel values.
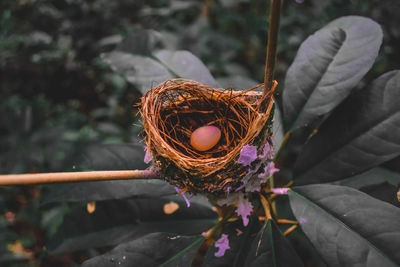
(240, 240)
(108, 157)
(374, 176)
(118, 221)
(140, 41)
(383, 191)
(271, 248)
(362, 133)
(157, 249)
(186, 65)
(106, 190)
(277, 129)
(327, 67)
(346, 226)
(237, 82)
(142, 71)
(112, 157)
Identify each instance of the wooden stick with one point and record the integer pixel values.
(290, 229)
(61, 177)
(274, 18)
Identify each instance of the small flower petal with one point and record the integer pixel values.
(267, 152)
(280, 191)
(183, 195)
(248, 154)
(222, 244)
(147, 156)
(269, 170)
(228, 200)
(303, 220)
(244, 209)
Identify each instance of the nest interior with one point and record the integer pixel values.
(172, 110)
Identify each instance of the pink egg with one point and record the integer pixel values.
(205, 138)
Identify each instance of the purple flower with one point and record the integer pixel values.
(222, 244)
(267, 152)
(303, 220)
(269, 170)
(147, 156)
(280, 191)
(248, 154)
(300, 1)
(244, 209)
(240, 187)
(183, 195)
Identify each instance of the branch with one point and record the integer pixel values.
(275, 13)
(61, 177)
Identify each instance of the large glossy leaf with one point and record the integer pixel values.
(383, 191)
(237, 82)
(157, 249)
(112, 157)
(140, 41)
(108, 157)
(142, 71)
(118, 221)
(104, 190)
(186, 65)
(374, 176)
(327, 67)
(277, 129)
(362, 133)
(271, 249)
(240, 240)
(346, 226)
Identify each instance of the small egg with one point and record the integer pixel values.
(205, 138)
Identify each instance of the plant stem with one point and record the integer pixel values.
(269, 213)
(274, 17)
(61, 177)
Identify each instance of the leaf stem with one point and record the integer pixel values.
(61, 177)
(284, 141)
(274, 18)
(269, 212)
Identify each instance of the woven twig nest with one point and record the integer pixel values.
(172, 110)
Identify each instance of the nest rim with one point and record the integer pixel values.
(153, 102)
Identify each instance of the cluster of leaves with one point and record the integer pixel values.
(50, 69)
(334, 133)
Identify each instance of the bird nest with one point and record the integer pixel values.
(171, 112)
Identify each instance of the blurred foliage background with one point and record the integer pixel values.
(57, 97)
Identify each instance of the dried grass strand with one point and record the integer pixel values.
(243, 119)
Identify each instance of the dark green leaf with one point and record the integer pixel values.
(240, 240)
(371, 177)
(108, 157)
(327, 67)
(383, 191)
(277, 129)
(271, 248)
(346, 226)
(104, 190)
(157, 249)
(112, 157)
(362, 133)
(142, 71)
(186, 65)
(118, 221)
(140, 41)
(237, 82)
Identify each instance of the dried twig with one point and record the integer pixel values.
(62, 177)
